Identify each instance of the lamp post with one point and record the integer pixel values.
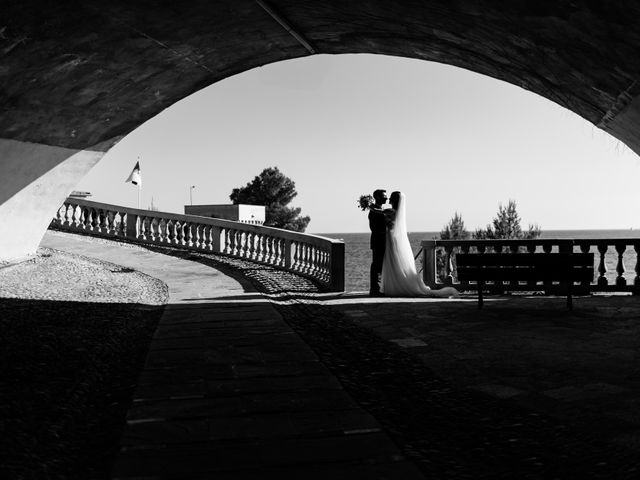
(191, 193)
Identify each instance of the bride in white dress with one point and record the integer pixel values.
(399, 275)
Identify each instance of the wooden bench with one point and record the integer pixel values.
(532, 268)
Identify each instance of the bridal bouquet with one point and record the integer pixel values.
(365, 202)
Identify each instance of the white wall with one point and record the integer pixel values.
(35, 180)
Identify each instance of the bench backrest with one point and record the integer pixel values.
(529, 267)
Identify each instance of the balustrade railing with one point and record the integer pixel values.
(617, 260)
(319, 258)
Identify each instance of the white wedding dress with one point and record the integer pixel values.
(399, 275)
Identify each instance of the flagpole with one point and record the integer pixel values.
(139, 184)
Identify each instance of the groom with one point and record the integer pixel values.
(378, 228)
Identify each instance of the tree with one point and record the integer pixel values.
(455, 229)
(275, 191)
(506, 225)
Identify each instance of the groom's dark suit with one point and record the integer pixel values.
(378, 228)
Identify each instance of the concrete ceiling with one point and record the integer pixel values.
(78, 75)
(75, 74)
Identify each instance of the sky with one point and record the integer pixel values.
(343, 125)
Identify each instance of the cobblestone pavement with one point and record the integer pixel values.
(521, 389)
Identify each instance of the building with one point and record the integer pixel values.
(77, 194)
(253, 214)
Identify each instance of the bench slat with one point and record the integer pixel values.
(525, 274)
(524, 259)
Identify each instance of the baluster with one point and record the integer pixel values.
(190, 239)
(227, 241)
(255, 246)
(85, 219)
(166, 230)
(448, 265)
(110, 223)
(197, 236)
(620, 280)
(584, 248)
(326, 267)
(242, 244)
(602, 267)
(173, 232)
(513, 249)
(482, 248)
(189, 235)
(273, 256)
(267, 250)
(272, 250)
(531, 248)
(636, 280)
(102, 219)
(465, 248)
(205, 234)
(301, 259)
(246, 245)
(295, 255)
(315, 258)
(216, 238)
(180, 233)
(66, 216)
(308, 266)
(547, 248)
(120, 225)
(89, 219)
(233, 241)
(238, 243)
(259, 247)
(147, 228)
(277, 256)
(141, 227)
(310, 260)
(281, 260)
(184, 234)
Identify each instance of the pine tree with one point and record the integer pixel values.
(275, 191)
(506, 225)
(455, 229)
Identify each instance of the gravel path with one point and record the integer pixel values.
(63, 276)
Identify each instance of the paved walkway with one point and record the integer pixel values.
(230, 391)
(239, 387)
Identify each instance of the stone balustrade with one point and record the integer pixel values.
(617, 263)
(315, 257)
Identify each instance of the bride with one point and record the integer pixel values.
(399, 276)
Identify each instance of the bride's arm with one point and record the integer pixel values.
(389, 217)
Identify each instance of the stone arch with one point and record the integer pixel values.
(78, 76)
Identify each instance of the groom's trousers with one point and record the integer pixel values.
(376, 268)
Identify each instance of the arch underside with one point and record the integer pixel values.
(76, 74)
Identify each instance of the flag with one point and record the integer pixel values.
(134, 176)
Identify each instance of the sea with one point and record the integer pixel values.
(358, 254)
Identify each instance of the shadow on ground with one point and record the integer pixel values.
(68, 374)
(522, 389)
